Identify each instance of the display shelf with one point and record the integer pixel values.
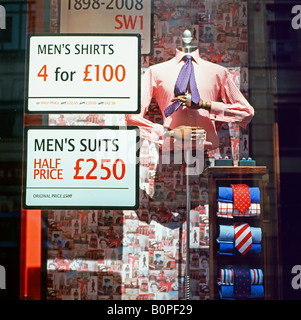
(224, 176)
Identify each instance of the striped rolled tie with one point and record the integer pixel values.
(227, 277)
(243, 238)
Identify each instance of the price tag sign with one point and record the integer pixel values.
(81, 168)
(108, 16)
(83, 74)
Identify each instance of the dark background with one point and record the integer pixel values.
(289, 120)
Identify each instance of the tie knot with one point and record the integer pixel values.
(187, 57)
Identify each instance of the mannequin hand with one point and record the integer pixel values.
(181, 98)
(186, 133)
(186, 101)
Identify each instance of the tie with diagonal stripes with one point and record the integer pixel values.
(243, 237)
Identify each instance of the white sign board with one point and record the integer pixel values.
(81, 167)
(108, 16)
(83, 74)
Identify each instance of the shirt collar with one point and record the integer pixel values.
(195, 55)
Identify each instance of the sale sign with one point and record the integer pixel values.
(109, 16)
(81, 167)
(83, 74)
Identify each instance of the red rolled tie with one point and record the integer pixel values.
(241, 197)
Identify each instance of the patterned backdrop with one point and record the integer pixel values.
(141, 254)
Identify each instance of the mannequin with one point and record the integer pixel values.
(220, 99)
(193, 134)
(187, 132)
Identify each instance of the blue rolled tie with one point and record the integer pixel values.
(227, 234)
(225, 194)
(227, 292)
(226, 248)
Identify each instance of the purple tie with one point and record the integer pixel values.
(185, 77)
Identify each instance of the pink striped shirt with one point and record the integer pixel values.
(214, 84)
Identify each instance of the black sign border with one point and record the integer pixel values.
(77, 207)
(138, 109)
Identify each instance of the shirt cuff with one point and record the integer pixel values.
(217, 111)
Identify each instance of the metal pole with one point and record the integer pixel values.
(187, 226)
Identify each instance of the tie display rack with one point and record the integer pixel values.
(224, 176)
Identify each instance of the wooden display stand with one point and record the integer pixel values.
(224, 176)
